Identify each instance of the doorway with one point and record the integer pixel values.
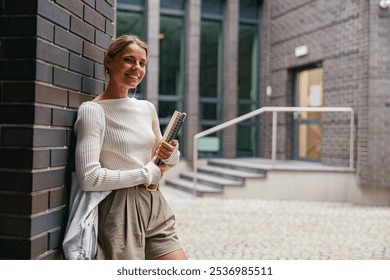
(308, 92)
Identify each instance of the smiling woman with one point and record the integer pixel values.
(125, 63)
(118, 142)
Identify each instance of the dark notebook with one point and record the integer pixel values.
(173, 128)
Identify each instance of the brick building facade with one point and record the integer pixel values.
(350, 40)
(50, 62)
(51, 55)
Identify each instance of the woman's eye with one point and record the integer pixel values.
(133, 61)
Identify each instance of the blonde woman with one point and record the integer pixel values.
(118, 140)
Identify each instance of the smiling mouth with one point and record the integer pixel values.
(132, 76)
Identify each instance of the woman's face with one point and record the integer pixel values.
(128, 67)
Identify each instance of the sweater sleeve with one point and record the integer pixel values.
(89, 129)
(174, 158)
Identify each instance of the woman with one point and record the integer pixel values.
(118, 141)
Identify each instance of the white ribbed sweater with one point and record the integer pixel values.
(131, 134)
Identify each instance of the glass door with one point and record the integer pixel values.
(307, 125)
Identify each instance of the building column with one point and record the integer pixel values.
(230, 76)
(152, 38)
(265, 35)
(192, 74)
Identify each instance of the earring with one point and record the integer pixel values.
(135, 90)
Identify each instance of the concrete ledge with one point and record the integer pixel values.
(372, 196)
(311, 186)
(300, 181)
(298, 185)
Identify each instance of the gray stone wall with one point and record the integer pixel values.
(374, 129)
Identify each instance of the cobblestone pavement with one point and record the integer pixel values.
(253, 229)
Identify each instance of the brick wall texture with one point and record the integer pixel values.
(51, 56)
(350, 39)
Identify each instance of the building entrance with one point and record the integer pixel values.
(308, 125)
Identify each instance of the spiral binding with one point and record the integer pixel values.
(173, 128)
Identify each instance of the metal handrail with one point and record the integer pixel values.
(274, 111)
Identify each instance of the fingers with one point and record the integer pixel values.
(169, 145)
(173, 142)
(165, 149)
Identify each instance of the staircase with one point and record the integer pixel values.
(216, 176)
(265, 179)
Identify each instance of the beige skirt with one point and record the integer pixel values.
(135, 224)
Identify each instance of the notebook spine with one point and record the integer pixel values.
(173, 129)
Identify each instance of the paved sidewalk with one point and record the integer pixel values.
(214, 228)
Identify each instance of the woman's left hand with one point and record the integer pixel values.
(165, 150)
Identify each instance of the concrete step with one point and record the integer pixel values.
(211, 180)
(170, 192)
(187, 186)
(214, 177)
(230, 173)
(237, 165)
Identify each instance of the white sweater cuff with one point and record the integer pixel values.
(174, 158)
(154, 174)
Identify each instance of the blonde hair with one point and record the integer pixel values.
(119, 43)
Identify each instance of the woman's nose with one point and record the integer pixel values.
(136, 64)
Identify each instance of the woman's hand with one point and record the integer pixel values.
(162, 165)
(165, 150)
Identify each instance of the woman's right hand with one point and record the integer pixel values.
(162, 166)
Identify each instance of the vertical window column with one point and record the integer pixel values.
(210, 76)
(130, 19)
(171, 62)
(248, 73)
(230, 77)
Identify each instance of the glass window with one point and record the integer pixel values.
(210, 64)
(214, 7)
(130, 23)
(130, 20)
(246, 147)
(173, 4)
(247, 132)
(132, 2)
(210, 111)
(171, 62)
(171, 56)
(166, 109)
(248, 62)
(246, 108)
(249, 9)
(210, 76)
(171, 72)
(248, 77)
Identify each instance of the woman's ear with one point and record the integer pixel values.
(107, 64)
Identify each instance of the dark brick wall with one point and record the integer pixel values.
(51, 56)
(336, 37)
(351, 41)
(374, 152)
